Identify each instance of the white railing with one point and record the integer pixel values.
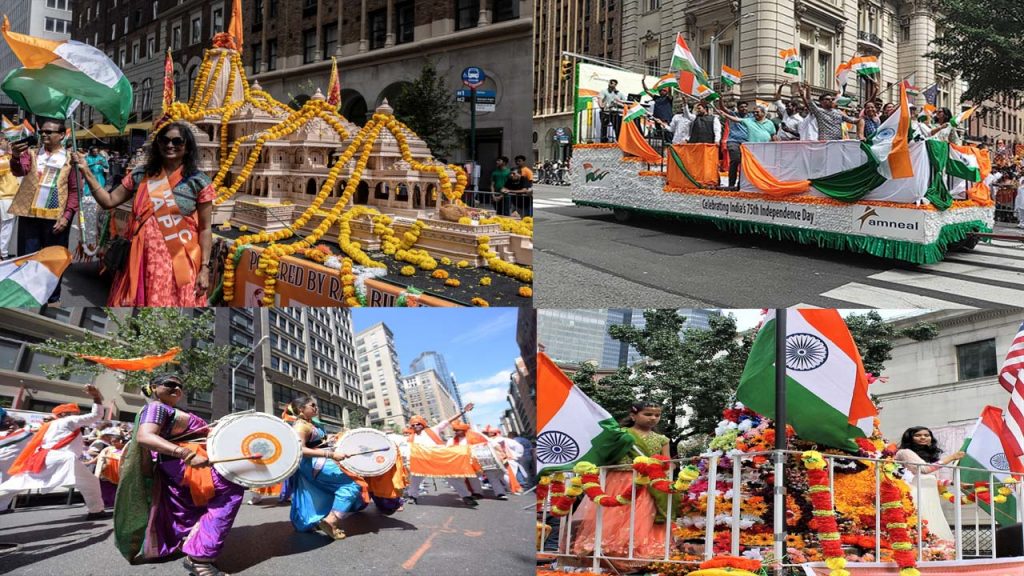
(778, 457)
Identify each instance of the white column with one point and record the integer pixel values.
(390, 37)
(337, 48)
(318, 51)
(363, 44)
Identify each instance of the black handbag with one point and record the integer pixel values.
(119, 248)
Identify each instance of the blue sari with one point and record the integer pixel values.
(320, 487)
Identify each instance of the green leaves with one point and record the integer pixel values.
(143, 332)
(427, 106)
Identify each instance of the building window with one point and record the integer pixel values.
(151, 46)
(824, 68)
(10, 351)
(405, 22)
(977, 359)
(38, 360)
(308, 8)
(58, 4)
(138, 17)
(197, 30)
(378, 28)
(257, 57)
(905, 33)
(57, 26)
(218, 20)
(271, 55)
(175, 37)
(273, 8)
(135, 51)
(504, 10)
(121, 54)
(125, 28)
(467, 14)
(257, 20)
(147, 90)
(156, 8)
(308, 46)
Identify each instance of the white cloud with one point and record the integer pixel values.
(486, 396)
(497, 379)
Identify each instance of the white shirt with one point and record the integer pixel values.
(61, 428)
(424, 439)
(791, 121)
(808, 128)
(680, 126)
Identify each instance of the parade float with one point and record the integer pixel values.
(314, 210)
(836, 194)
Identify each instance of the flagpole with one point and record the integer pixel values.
(780, 438)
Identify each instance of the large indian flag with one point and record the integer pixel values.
(572, 427)
(27, 282)
(963, 163)
(865, 65)
(889, 144)
(57, 73)
(986, 450)
(826, 388)
(691, 76)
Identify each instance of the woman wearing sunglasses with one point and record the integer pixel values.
(170, 228)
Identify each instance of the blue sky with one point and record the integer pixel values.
(479, 345)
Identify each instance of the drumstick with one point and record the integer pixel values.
(255, 456)
(370, 451)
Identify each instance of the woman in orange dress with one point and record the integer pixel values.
(170, 227)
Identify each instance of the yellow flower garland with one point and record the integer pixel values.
(498, 265)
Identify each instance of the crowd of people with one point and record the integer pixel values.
(512, 187)
(193, 506)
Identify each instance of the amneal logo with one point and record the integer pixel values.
(594, 174)
(871, 218)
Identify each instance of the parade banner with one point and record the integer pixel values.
(305, 283)
(441, 461)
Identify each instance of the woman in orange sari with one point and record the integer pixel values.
(170, 226)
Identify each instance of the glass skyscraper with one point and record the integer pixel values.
(435, 361)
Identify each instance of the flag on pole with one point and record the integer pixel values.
(889, 144)
(691, 76)
(572, 427)
(670, 81)
(931, 93)
(11, 130)
(235, 28)
(842, 74)
(791, 61)
(963, 163)
(29, 281)
(632, 111)
(730, 76)
(908, 83)
(1011, 378)
(865, 65)
(334, 85)
(58, 72)
(989, 448)
(826, 388)
(963, 116)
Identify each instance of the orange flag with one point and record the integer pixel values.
(147, 363)
(633, 144)
(236, 23)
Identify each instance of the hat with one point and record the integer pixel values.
(66, 409)
(112, 431)
(418, 420)
(460, 426)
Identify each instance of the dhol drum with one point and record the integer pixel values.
(486, 457)
(248, 433)
(403, 447)
(370, 451)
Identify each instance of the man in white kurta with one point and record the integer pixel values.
(63, 458)
(13, 436)
(463, 436)
(508, 449)
(431, 436)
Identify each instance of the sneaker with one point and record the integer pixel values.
(470, 501)
(99, 515)
(411, 499)
(476, 496)
(501, 497)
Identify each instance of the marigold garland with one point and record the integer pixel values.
(588, 480)
(895, 523)
(824, 522)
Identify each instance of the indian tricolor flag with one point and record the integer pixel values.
(963, 163)
(731, 76)
(670, 81)
(963, 116)
(56, 73)
(691, 76)
(889, 144)
(988, 448)
(842, 73)
(572, 427)
(865, 65)
(791, 61)
(826, 388)
(27, 282)
(633, 111)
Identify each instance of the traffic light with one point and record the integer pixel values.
(567, 69)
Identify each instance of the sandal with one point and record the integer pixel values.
(202, 568)
(334, 533)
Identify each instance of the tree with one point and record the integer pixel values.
(981, 42)
(143, 332)
(428, 108)
(874, 338)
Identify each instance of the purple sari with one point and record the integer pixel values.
(175, 521)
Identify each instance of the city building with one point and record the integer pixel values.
(576, 336)
(585, 27)
(998, 121)
(522, 397)
(428, 396)
(945, 383)
(435, 361)
(380, 378)
(50, 19)
(24, 386)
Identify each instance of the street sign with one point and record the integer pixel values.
(561, 136)
(482, 96)
(484, 107)
(473, 77)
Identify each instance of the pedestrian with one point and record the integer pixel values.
(887, 110)
(662, 108)
(108, 463)
(98, 166)
(737, 136)
(526, 460)
(517, 195)
(705, 128)
(498, 177)
(830, 120)
(169, 263)
(419, 433)
(1018, 202)
(611, 111)
(52, 459)
(524, 169)
(920, 454)
(47, 198)
(9, 184)
(192, 507)
(510, 452)
(13, 436)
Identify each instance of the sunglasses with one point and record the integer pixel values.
(49, 132)
(177, 141)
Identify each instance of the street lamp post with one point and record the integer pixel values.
(714, 44)
(235, 368)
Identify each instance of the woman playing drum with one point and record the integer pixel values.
(322, 493)
(169, 496)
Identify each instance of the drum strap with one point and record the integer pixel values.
(199, 480)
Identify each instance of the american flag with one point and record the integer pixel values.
(1011, 378)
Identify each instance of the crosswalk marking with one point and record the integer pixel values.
(1001, 249)
(542, 203)
(986, 292)
(975, 271)
(877, 297)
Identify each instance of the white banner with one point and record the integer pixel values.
(888, 222)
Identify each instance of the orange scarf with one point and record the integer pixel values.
(199, 480)
(181, 241)
(33, 457)
(429, 432)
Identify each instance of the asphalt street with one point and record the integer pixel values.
(439, 535)
(585, 258)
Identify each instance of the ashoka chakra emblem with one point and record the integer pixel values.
(556, 448)
(999, 462)
(805, 352)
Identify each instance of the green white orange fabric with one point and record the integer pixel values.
(987, 448)
(28, 282)
(573, 428)
(670, 81)
(842, 73)
(791, 60)
(865, 65)
(731, 76)
(57, 73)
(826, 388)
(963, 163)
(889, 144)
(963, 116)
(691, 76)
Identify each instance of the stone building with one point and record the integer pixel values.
(428, 396)
(1000, 120)
(381, 377)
